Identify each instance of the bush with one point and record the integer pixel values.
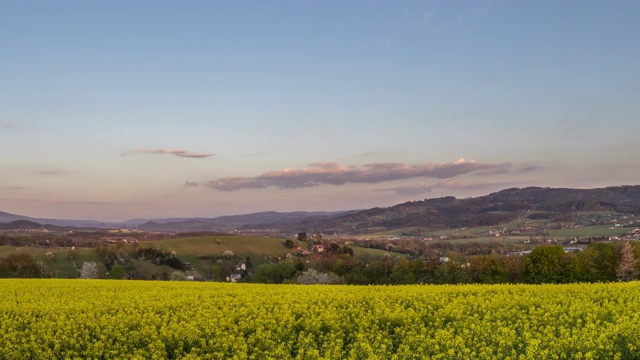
(92, 270)
(117, 272)
(312, 276)
(19, 265)
(178, 276)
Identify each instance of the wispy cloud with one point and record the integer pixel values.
(12, 188)
(50, 172)
(191, 184)
(336, 174)
(8, 125)
(175, 152)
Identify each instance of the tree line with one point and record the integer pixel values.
(597, 262)
(437, 263)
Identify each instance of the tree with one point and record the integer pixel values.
(379, 272)
(347, 250)
(302, 236)
(312, 276)
(430, 264)
(19, 265)
(345, 264)
(543, 265)
(488, 269)
(514, 268)
(116, 272)
(89, 270)
(174, 262)
(403, 272)
(178, 276)
(276, 273)
(627, 268)
(45, 271)
(452, 270)
(573, 270)
(599, 262)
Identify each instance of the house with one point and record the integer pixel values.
(318, 248)
(234, 278)
(519, 253)
(301, 251)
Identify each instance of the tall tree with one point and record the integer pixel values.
(544, 265)
(489, 269)
(628, 267)
(599, 261)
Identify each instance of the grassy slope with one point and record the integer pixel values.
(241, 246)
(588, 231)
(65, 268)
(360, 252)
(200, 250)
(260, 249)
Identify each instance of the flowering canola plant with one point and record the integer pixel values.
(101, 319)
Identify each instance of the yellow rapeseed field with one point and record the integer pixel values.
(83, 319)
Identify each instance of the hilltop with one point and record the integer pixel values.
(535, 203)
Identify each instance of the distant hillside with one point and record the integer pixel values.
(222, 223)
(21, 224)
(6, 218)
(555, 204)
(228, 223)
(492, 209)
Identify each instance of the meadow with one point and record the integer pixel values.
(77, 319)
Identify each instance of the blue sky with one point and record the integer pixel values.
(117, 109)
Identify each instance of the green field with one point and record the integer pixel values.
(486, 239)
(588, 231)
(479, 234)
(363, 252)
(102, 319)
(240, 245)
(65, 268)
(200, 250)
(381, 233)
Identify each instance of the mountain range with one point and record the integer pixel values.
(558, 204)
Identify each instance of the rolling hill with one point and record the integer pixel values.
(553, 204)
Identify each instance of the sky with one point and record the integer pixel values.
(112, 110)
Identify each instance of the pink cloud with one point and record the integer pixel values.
(179, 153)
(335, 174)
